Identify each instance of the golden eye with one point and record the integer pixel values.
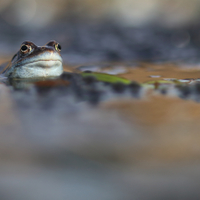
(25, 48)
(57, 47)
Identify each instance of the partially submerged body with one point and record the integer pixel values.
(33, 61)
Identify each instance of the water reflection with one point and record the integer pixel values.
(80, 128)
(165, 79)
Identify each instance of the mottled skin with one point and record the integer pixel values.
(33, 61)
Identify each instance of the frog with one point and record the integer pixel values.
(32, 61)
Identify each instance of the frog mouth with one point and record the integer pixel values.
(39, 68)
(43, 60)
(44, 63)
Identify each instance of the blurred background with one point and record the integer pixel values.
(41, 14)
(112, 30)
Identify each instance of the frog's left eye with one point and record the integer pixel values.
(57, 47)
(25, 48)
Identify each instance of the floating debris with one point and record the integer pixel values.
(155, 76)
(106, 77)
(115, 70)
(92, 68)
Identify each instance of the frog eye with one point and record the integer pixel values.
(57, 47)
(25, 48)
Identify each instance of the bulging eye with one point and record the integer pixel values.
(57, 47)
(25, 48)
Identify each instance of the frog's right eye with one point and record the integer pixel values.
(25, 48)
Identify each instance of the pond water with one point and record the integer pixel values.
(78, 137)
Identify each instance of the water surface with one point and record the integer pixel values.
(81, 138)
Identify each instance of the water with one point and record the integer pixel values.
(79, 138)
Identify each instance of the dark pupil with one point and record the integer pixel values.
(59, 47)
(24, 48)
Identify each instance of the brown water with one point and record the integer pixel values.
(171, 124)
(57, 146)
(145, 71)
